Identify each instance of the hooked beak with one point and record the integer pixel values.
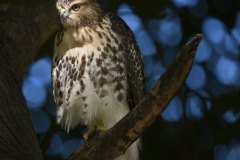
(63, 14)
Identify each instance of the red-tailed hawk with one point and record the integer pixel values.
(97, 69)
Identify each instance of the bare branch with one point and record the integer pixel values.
(114, 142)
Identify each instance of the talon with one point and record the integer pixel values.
(89, 134)
(99, 127)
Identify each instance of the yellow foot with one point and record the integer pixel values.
(89, 134)
(97, 128)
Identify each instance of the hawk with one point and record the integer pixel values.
(97, 69)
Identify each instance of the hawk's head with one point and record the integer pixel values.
(77, 13)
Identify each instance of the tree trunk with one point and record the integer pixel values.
(23, 29)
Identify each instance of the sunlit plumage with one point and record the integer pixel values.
(97, 68)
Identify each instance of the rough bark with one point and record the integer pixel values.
(23, 30)
(114, 142)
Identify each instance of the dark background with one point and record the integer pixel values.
(202, 121)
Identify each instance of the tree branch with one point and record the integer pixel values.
(114, 142)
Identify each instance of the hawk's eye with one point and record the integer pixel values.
(76, 7)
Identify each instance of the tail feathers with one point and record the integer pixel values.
(68, 118)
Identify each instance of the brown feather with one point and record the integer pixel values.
(134, 60)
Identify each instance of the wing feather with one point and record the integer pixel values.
(134, 60)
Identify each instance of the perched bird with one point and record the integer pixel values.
(97, 69)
